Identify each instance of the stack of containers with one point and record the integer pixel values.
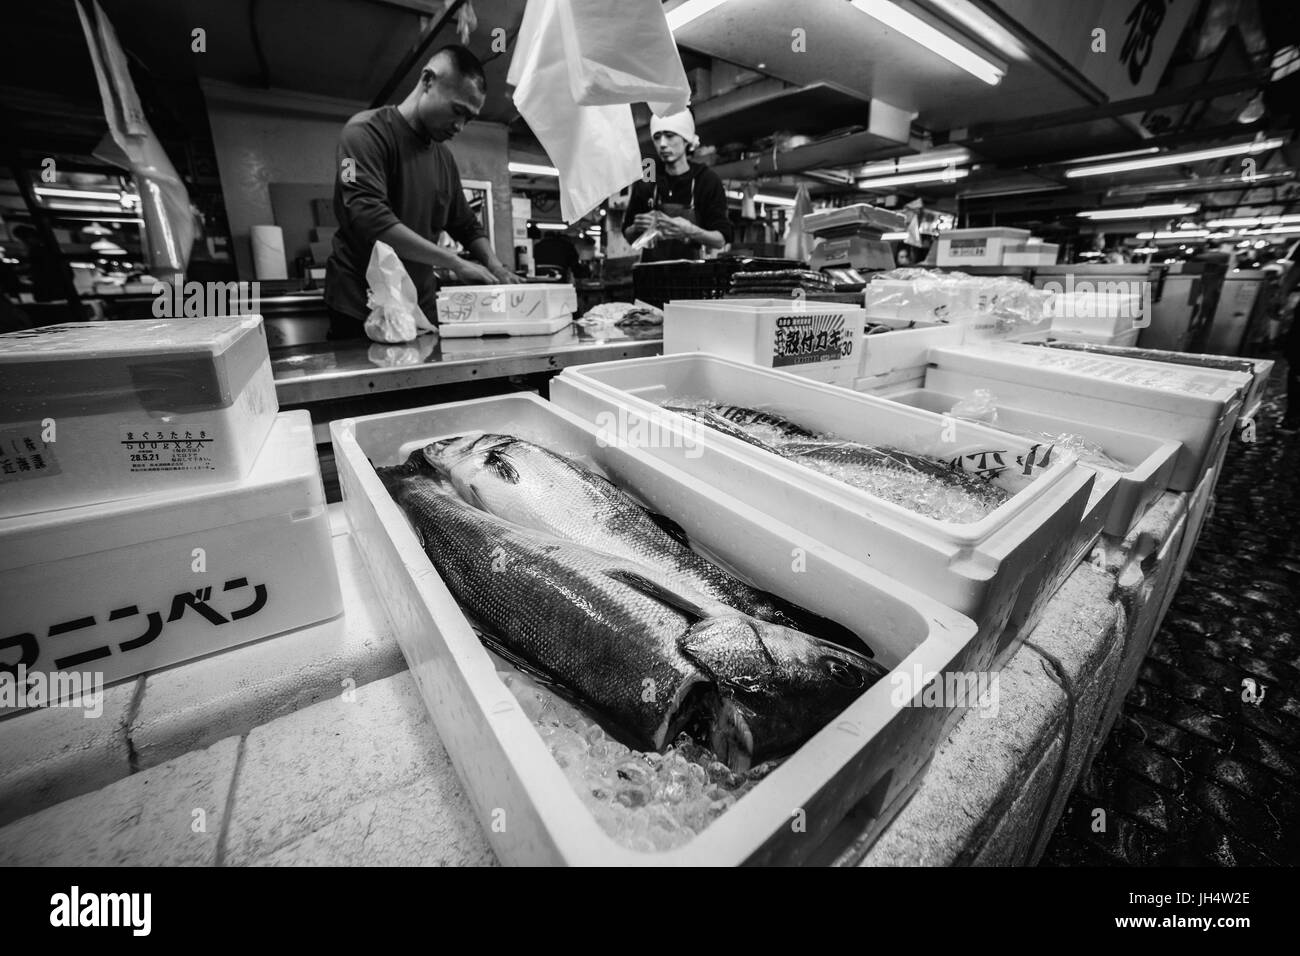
(536, 308)
(998, 570)
(155, 506)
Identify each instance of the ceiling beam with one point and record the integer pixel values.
(415, 55)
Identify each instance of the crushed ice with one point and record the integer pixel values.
(644, 801)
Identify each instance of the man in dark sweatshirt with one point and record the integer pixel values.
(395, 181)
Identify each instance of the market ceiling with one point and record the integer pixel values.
(1049, 105)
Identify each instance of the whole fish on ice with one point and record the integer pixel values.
(648, 657)
(539, 489)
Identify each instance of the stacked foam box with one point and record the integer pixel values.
(536, 308)
(154, 507)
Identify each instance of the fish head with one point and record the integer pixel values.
(477, 464)
(777, 686)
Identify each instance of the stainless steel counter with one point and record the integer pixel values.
(323, 371)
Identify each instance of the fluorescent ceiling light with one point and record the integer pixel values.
(532, 169)
(885, 182)
(1104, 156)
(762, 198)
(114, 195)
(1249, 221)
(556, 226)
(684, 13)
(1280, 231)
(917, 30)
(1174, 159)
(936, 159)
(84, 207)
(1141, 212)
(1178, 234)
(894, 236)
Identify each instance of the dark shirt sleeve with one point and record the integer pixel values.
(711, 204)
(462, 224)
(365, 197)
(637, 203)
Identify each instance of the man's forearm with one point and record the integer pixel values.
(707, 237)
(408, 244)
(482, 250)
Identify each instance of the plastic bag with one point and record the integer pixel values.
(594, 148)
(980, 406)
(622, 53)
(395, 313)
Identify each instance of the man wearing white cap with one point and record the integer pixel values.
(684, 201)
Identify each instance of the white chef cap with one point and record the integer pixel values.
(683, 124)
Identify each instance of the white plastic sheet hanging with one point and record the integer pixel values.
(798, 244)
(623, 53)
(567, 49)
(169, 223)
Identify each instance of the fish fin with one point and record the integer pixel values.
(490, 641)
(474, 498)
(661, 592)
(669, 527)
(500, 462)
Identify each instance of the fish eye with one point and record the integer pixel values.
(843, 674)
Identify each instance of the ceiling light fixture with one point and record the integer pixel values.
(1147, 151)
(906, 164)
(917, 30)
(533, 169)
(909, 179)
(684, 13)
(1252, 221)
(553, 226)
(1179, 234)
(112, 195)
(1174, 159)
(1141, 212)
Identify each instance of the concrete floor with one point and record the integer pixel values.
(1193, 772)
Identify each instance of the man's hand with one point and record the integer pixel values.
(646, 220)
(504, 276)
(675, 227)
(471, 273)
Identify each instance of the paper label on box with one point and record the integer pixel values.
(174, 448)
(813, 337)
(24, 455)
(967, 247)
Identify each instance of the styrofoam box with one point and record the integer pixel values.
(977, 247)
(1195, 406)
(1030, 254)
(1124, 339)
(136, 585)
(885, 352)
(875, 751)
(465, 330)
(522, 302)
(988, 569)
(1092, 313)
(1120, 498)
(98, 411)
(773, 333)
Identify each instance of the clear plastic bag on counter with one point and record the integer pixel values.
(395, 313)
(988, 306)
(980, 406)
(608, 314)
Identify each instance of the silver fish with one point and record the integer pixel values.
(534, 487)
(647, 658)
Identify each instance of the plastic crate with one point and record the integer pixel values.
(661, 282)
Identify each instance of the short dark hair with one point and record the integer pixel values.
(466, 64)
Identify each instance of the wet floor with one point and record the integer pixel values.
(1203, 764)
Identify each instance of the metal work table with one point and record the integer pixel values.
(325, 371)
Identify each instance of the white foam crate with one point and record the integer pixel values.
(466, 330)
(103, 411)
(872, 756)
(995, 570)
(1119, 339)
(1094, 313)
(905, 348)
(1195, 406)
(522, 302)
(760, 330)
(1030, 254)
(977, 247)
(1119, 498)
(132, 586)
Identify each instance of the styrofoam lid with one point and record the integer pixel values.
(285, 478)
(78, 341)
(994, 232)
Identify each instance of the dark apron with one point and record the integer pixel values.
(674, 248)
